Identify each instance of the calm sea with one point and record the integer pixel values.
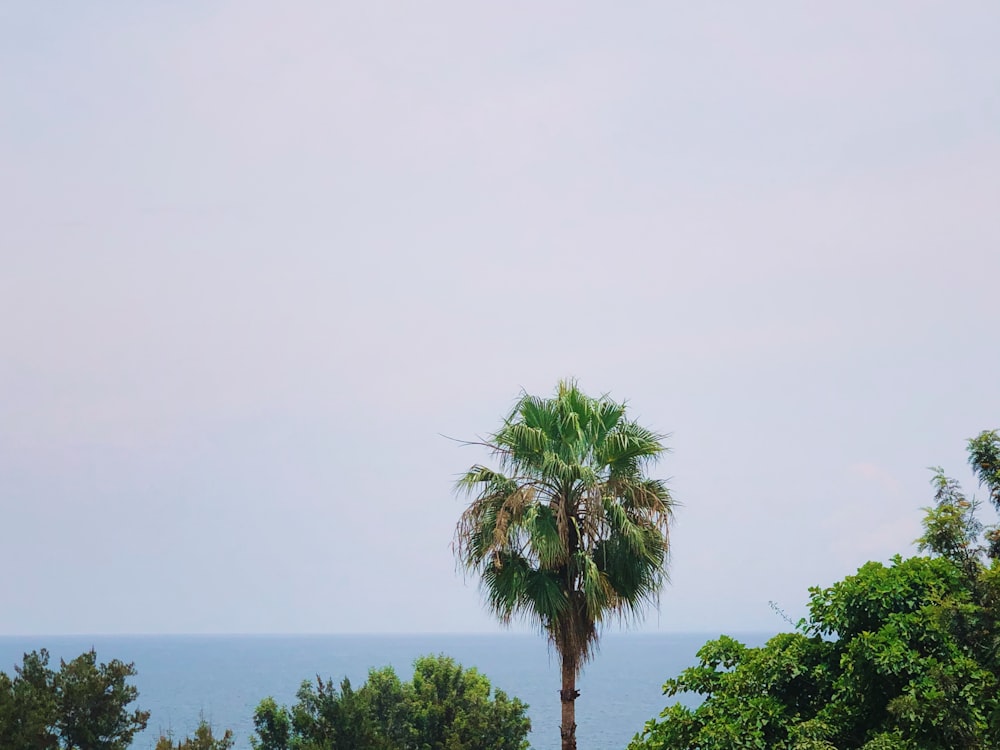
(222, 678)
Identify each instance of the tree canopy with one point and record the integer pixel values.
(904, 656)
(444, 707)
(82, 706)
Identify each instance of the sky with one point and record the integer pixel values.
(258, 260)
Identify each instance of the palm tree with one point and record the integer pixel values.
(568, 531)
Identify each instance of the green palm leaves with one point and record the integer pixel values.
(567, 530)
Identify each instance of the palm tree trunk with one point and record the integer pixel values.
(568, 694)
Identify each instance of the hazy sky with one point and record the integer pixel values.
(258, 257)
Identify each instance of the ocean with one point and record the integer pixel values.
(224, 677)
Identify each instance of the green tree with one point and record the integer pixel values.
(569, 530)
(451, 708)
(93, 704)
(903, 656)
(273, 726)
(83, 706)
(204, 739)
(390, 708)
(444, 707)
(28, 708)
(900, 656)
(984, 457)
(327, 718)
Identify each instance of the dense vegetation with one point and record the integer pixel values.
(904, 656)
(569, 530)
(80, 706)
(444, 707)
(85, 706)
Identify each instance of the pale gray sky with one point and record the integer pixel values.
(257, 257)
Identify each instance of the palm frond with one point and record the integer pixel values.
(545, 592)
(545, 539)
(569, 530)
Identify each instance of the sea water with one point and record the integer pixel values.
(223, 677)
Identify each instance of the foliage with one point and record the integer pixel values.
(951, 528)
(905, 655)
(984, 457)
(204, 739)
(444, 707)
(569, 530)
(28, 705)
(82, 706)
